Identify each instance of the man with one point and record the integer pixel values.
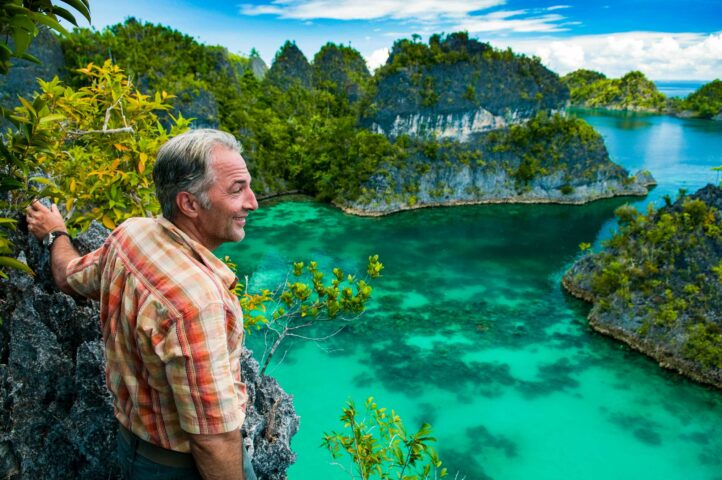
(172, 328)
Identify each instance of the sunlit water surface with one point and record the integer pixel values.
(470, 331)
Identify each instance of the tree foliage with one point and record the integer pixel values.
(633, 91)
(92, 149)
(305, 300)
(664, 265)
(20, 21)
(706, 102)
(379, 446)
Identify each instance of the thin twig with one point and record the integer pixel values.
(109, 131)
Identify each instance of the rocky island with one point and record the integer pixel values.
(479, 125)
(656, 286)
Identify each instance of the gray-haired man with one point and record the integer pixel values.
(172, 327)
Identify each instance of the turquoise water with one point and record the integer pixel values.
(470, 331)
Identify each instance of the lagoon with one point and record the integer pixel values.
(469, 330)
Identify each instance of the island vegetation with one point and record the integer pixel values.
(634, 92)
(656, 284)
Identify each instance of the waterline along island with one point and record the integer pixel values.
(448, 122)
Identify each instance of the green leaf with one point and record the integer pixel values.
(63, 13)
(27, 105)
(51, 118)
(23, 33)
(29, 58)
(8, 183)
(81, 6)
(43, 180)
(16, 264)
(49, 22)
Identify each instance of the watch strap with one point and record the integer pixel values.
(52, 236)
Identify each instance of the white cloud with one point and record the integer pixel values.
(377, 58)
(504, 21)
(430, 15)
(659, 55)
(363, 10)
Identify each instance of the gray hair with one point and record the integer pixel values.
(183, 165)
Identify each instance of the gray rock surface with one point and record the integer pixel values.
(22, 79)
(56, 419)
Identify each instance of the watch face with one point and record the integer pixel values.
(48, 239)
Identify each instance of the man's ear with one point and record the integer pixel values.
(187, 204)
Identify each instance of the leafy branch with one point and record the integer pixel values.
(304, 299)
(380, 447)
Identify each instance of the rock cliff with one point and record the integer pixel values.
(56, 419)
(657, 284)
(457, 86)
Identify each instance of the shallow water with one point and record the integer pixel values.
(470, 331)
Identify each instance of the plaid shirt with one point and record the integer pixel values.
(172, 329)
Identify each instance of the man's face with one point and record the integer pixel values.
(231, 198)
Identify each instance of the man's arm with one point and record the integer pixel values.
(219, 457)
(43, 220)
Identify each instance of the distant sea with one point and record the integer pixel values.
(678, 88)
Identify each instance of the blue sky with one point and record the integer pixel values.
(665, 39)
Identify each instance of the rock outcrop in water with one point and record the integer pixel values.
(481, 125)
(56, 419)
(546, 160)
(657, 286)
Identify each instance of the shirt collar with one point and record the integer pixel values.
(218, 267)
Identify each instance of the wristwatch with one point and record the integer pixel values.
(49, 239)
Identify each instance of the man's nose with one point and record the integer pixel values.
(250, 203)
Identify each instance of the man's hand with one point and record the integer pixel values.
(218, 457)
(43, 220)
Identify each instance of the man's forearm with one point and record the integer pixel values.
(218, 457)
(61, 254)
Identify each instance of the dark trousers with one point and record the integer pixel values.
(134, 466)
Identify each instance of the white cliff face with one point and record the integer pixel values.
(457, 125)
(468, 185)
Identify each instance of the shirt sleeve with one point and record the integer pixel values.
(83, 274)
(200, 373)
